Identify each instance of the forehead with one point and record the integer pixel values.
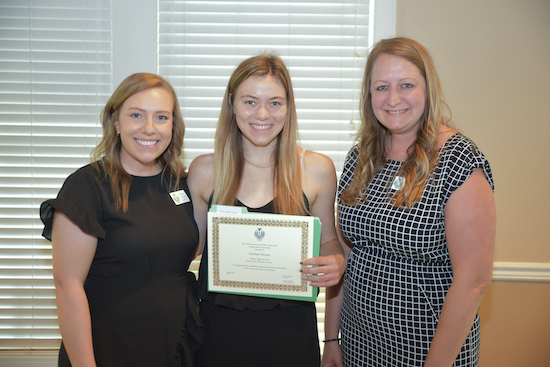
(262, 85)
(157, 97)
(391, 65)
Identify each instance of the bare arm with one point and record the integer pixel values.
(73, 252)
(201, 183)
(332, 354)
(320, 188)
(470, 225)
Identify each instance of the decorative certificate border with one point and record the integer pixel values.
(256, 222)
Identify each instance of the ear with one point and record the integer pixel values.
(117, 128)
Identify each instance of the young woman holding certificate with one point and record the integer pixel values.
(257, 164)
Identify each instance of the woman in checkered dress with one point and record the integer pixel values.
(416, 208)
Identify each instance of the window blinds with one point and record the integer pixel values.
(55, 76)
(322, 42)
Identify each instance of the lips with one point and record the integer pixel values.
(397, 112)
(146, 143)
(261, 127)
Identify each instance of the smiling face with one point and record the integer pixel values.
(145, 127)
(398, 91)
(260, 108)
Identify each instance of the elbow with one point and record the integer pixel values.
(474, 285)
(60, 287)
(484, 279)
(66, 286)
(480, 284)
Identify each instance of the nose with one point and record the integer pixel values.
(262, 113)
(394, 98)
(148, 126)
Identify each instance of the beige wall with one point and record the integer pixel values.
(515, 325)
(493, 57)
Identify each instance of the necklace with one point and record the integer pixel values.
(271, 165)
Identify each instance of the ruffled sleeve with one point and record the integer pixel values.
(460, 157)
(81, 200)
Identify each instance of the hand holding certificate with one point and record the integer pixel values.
(259, 254)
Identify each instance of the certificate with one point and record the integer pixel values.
(259, 254)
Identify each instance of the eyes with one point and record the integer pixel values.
(404, 86)
(251, 103)
(139, 116)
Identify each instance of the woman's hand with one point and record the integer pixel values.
(332, 355)
(325, 271)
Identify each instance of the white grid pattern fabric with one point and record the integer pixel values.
(399, 269)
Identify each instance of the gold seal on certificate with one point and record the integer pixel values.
(258, 254)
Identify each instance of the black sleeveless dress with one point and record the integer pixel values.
(250, 331)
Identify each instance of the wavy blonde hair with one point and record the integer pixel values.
(371, 137)
(228, 150)
(108, 150)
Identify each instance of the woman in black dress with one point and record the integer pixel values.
(123, 237)
(258, 164)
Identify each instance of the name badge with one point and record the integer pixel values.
(180, 197)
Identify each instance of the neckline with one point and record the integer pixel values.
(152, 176)
(255, 208)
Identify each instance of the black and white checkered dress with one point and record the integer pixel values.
(399, 270)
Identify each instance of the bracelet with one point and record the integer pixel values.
(331, 340)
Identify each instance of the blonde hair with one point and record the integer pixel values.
(228, 151)
(371, 137)
(108, 150)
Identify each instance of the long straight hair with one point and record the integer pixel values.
(228, 151)
(371, 137)
(108, 150)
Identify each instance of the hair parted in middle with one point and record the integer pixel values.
(108, 150)
(371, 137)
(228, 151)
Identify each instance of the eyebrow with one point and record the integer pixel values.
(385, 81)
(253, 97)
(143, 110)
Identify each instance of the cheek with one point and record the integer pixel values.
(242, 115)
(168, 131)
(419, 99)
(377, 100)
(280, 114)
(376, 105)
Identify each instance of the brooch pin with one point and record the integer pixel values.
(398, 183)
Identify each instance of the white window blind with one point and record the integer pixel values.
(55, 76)
(323, 43)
